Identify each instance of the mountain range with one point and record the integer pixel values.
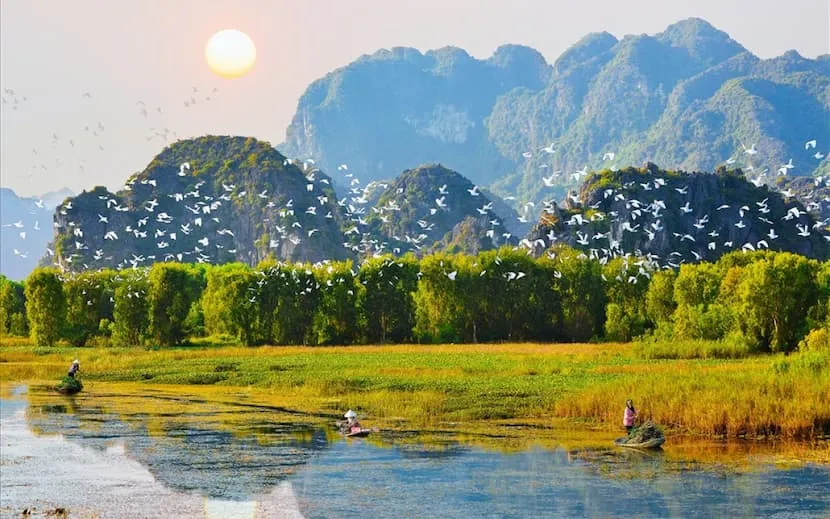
(689, 98)
(403, 151)
(218, 199)
(25, 229)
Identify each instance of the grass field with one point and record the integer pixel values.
(586, 384)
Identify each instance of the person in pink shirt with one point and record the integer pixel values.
(629, 415)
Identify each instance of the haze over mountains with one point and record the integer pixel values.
(688, 98)
(401, 152)
(26, 229)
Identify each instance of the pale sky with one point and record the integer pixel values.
(122, 51)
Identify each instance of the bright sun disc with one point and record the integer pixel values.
(230, 53)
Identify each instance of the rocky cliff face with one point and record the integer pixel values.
(210, 199)
(813, 193)
(432, 208)
(385, 112)
(688, 98)
(224, 199)
(678, 217)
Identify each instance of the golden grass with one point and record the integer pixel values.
(160, 408)
(476, 384)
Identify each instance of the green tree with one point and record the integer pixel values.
(626, 286)
(516, 297)
(578, 280)
(173, 288)
(385, 303)
(46, 305)
(447, 301)
(701, 312)
(12, 308)
(819, 315)
(773, 299)
(131, 312)
(218, 298)
(335, 321)
(298, 296)
(89, 300)
(660, 303)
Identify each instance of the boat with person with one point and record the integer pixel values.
(351, 428)
(646, 436)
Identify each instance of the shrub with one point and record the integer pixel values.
(734, 347)
(816, 340)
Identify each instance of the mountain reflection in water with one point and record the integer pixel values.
(159, 457)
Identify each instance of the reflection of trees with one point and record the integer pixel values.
(217, 450)
(440, 451)
(242, 452)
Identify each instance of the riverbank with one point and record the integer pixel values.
(213, 451)
(585, 384)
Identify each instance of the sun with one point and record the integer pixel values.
(230, 53)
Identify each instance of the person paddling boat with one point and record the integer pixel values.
(351, 425)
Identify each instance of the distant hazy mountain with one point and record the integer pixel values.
(397, 108)
(25, 230)
(688, 98)
(52, 199)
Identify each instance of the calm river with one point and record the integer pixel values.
(157, 455)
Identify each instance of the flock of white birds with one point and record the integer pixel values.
(208, 237)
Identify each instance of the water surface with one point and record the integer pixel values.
(155, 454)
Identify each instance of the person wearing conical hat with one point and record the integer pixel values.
(352, 425)
(74, 368)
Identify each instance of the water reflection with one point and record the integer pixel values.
(140, 455)
(192, 451)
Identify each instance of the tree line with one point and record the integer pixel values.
(768, 300)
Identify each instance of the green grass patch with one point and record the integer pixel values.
(706, 389)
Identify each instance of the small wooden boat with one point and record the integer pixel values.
(69, 386)
(653, 443)
(358, 434)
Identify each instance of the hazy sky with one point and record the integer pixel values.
(121, 51)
